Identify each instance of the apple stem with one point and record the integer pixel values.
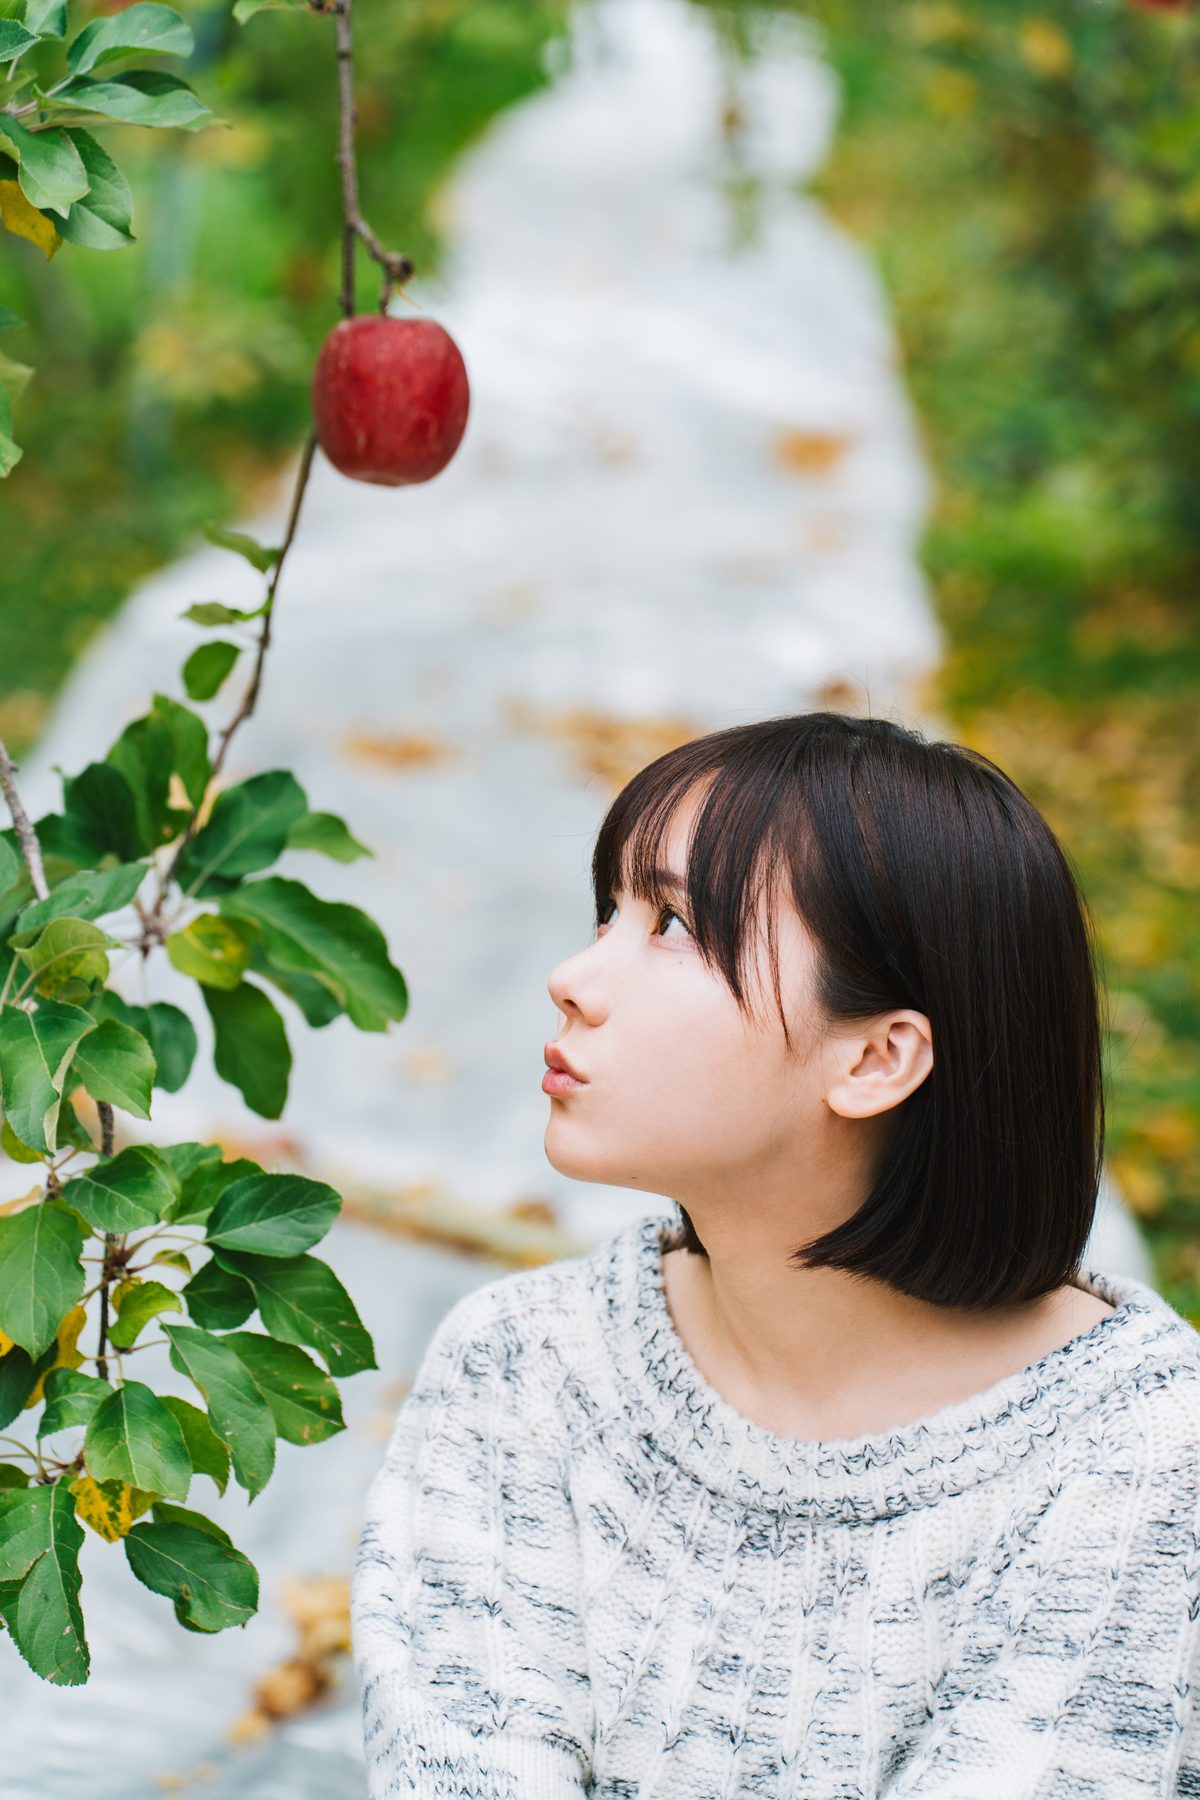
(396, 266)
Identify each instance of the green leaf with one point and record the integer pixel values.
(19, 1375)
(67, 851)
(237, 1411)
(115, 1063)
(213, 612)
(70, 956)
(325, 832)
(11, 866)
(273, 1215)
(52, 174)
(143, 97)
(328, 940)
(103, 218)
(208, 1454)
(250, 1049)
(316, 1001)
(302, 1301)
(10, 452)
(13, 1147)
(98, 804)
(35, 1049)
(41, 1276)
(138, 1305)
(212, 1584)
(121, 1193)
(217, 1299)
(11, 1476)
(247, 830)
(14, 40)
(23, 1531)
(167, 1514)
(144, 754)
(246, 9)
(71, 1399)
(86, 896)
(47, 17)
(9, 320)
(143, 26)
(167, 1029)
(40, 1539)
(189, 1157)
(188, 735)
(261, 556)
(132, 1437)
(14, 376)
(173, 1259)
(207, 667)
(306, 1405)
(205, 1183)
(212, 950)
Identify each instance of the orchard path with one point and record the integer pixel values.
(688, 495)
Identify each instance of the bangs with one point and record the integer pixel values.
(737, 856)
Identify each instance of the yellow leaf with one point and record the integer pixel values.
(810, 452)
(22, 1201)
(1140, 1184)
(6, 1343)
(109, 1507)
(24, 220)
(67, 1356)
(951, 92)
(174, 1259)
(933, 22)
(1044, 47)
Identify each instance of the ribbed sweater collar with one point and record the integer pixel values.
(881, 1474)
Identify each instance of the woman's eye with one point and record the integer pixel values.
(666, 912)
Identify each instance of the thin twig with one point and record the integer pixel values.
(31, 850)
(396, 266)
(251, 695)
(111, 1239)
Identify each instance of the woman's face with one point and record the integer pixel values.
(685, 1094)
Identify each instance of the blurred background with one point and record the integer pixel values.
(821, 355)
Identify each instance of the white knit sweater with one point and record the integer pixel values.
(581, 1571)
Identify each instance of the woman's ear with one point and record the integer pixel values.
(875, 1069)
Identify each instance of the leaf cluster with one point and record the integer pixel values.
(58, 183)
(139, 1450)
(179, 1230)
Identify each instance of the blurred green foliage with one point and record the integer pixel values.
(1029, 180)
(172, 378)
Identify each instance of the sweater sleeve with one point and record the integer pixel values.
(466, 1635)
(1080, 1670)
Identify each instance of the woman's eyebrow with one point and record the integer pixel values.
(665, 881)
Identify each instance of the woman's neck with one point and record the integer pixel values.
(817, 1353)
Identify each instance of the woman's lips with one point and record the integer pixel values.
(557, 1081)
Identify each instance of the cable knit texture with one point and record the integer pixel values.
(582, 1571)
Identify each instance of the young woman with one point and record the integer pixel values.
(850, 1482)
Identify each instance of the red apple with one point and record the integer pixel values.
(390, 398)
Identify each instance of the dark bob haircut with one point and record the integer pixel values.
(926, 879)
